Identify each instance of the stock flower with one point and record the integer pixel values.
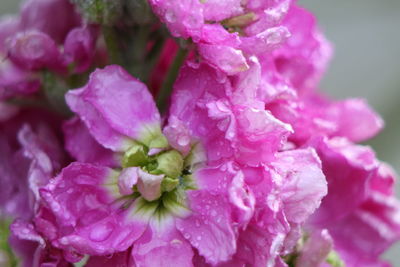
(250, 165)
(177, 198)
(48, 35)
(226, 32)
(360, 210)
(31, 154)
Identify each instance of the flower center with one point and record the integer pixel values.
(157, 179)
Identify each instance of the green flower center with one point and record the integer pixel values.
(163, 179)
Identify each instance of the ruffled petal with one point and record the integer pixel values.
(303, 183)
(315, 250)
(87, 215)
(164, 249)
(209, 227)
(347, 168)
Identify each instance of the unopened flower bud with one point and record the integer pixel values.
(105, 12)
(135, 156)
(170, 163)
(34, 51)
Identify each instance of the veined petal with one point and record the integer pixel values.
(209, 227)
(348, 169)
(117, 108)
(303, 184)
(88, 218)
(162, 248)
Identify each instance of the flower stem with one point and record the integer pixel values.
(110, 40)
(166, 88)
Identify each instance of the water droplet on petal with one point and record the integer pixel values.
(101, 232)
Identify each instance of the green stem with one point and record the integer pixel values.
(169, 80)
(110, 39)
(139, 52)
(152, 58)
(4, 243)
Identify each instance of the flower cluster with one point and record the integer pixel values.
(196, 137)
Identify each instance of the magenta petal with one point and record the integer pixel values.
(163, 249)
(366, 233)
(228, 59)
(34, 51)
(217, 10)
(303, 184)
(116, 108)
(87, 217)
(16, 81)
(44, 154)
(79, 47)
(265, 41)
(355, 119)
(178, 135)
(84, 148)
(347, 168)
(209, 227)
(315, 249)
(260, 244)
(242, 200)
(127, 179)
(53, 17)
(26, 231)
(183, 20)
(260, 135)
(121, 259)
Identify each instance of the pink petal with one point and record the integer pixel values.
(217, 10)
(228, 59)
(347, 168)
(127, 179)
(83, 147)
(356, 120)
(315, 249)
(80, 47)
(116, 108)
(303, 184)
(209, 228)
(164, 249)
(86, 217)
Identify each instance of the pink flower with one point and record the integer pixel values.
(360, 210)
(178, 199)
(31, 154)
(215, 26)
(48, 35)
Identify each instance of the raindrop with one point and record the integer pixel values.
(100, 232)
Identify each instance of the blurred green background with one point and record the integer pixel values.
(366, 36)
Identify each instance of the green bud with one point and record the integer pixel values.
(170, 163)
(334, 259)
(54, 90)
(105, 12)
(169, 184)
(135, 156)
(196, 156)
(240, 21)
(159, 142)
(140, 12)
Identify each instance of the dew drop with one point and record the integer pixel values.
(101, 232)
(183, 140)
